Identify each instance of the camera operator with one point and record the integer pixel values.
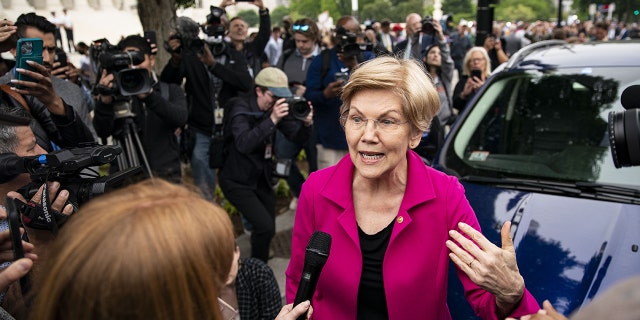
(58, 119)
(214, 74)
(238, 32)
(157, 114)
(420, 35)
(18, 139)
(323, 89)
(250, 127)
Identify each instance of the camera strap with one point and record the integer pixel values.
(16, 96)
(41, 216)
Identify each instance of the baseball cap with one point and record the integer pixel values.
(275, 80)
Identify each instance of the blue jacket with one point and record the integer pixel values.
(326, 112)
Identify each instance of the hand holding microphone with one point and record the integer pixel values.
(315, 258)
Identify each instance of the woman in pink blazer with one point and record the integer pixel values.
(396, 223)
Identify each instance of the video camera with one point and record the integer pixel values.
(129, 81)
(187, 31)
(427, 25)
(624, 129)
(65, 166)
(347, 43)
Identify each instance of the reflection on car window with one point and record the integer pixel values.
(545, 125)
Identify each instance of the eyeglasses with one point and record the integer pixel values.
(476, 60)
(300, 27)
(356, 123)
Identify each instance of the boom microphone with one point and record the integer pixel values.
(314, 259)
(630, 97)
(11, 165)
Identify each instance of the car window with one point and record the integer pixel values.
(550, 125)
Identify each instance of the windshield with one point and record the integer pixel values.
(544, 125)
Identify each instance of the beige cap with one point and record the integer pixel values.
(275, 80)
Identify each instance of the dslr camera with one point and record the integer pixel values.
(129, 81)
(298, 108)
(624, 129)
(427, 25)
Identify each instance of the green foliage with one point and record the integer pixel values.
(526, 10)
(250, 16)
(461, 9)
(183, 4)
(282, 189)
(277, 14)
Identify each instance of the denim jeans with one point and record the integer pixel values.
(204, 177)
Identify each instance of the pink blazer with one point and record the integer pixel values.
(415, 267)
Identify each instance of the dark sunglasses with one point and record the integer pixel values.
(300, 27)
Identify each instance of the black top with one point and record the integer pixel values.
(372, 302)
(233, 73)
(248, 133)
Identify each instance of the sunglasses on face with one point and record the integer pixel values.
(300, 27)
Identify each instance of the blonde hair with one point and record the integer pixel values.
(152, 250)
(405, 78)
(466, 70)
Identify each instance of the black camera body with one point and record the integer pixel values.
(348, 43)
(427, 25)
(129, 81)
(298, 108)
(65, 166)
(624, 129)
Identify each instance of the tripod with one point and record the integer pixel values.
(126, 135)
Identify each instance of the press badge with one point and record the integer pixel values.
(218, 115)
(267, 152)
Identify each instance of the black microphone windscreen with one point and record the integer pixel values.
(318, 248)
(630, 97)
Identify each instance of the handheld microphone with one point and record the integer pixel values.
(630, 97)
(315, 257)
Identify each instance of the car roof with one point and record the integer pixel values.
(560, 54)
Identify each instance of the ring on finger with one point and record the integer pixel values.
(471, 262)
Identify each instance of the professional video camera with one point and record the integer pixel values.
(427, 25)
(214, 29)
(66, 166)
(624, 129)
(129, 81)
(298, 108)
(347, 43)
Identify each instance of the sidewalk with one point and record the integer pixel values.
(281, 245)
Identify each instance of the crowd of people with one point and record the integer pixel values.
(238, 111)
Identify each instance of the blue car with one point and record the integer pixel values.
(532, 147)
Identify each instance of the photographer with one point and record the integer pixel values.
(59, 118)
(420, 35)
(250, 128)
(238, 32)
(214, 74)
(157, 114)
(323, 88)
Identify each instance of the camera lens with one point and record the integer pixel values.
(624, 137)
(298, 108)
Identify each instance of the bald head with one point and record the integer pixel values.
(350, 23)
(414, 24)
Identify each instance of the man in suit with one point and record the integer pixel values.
(385, 37)
(416, 42)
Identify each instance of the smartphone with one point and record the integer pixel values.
(151, 37)
(16, 240)
(27, 49)
(61, 57)
(476, 73)
(342, 76)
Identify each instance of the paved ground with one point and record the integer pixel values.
(281, 246)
